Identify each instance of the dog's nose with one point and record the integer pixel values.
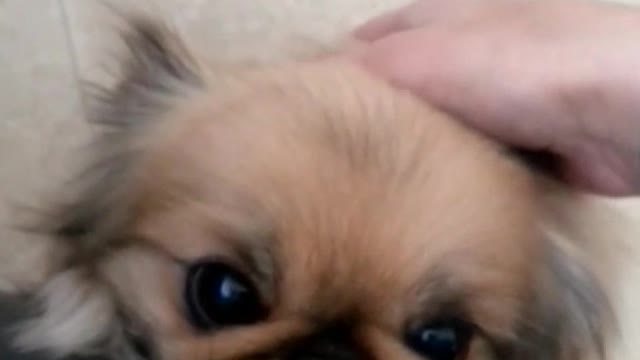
(332, 343)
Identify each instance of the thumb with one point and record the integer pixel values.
(426, 63)
(383, 25)
(416, 14)
(603, 170)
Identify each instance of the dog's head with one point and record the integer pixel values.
(307, 211)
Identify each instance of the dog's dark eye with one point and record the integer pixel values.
(217, 295)
(443, 340)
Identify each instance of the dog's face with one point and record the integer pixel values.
(324, 204)
(307, 212)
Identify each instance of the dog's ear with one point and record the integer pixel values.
(570, 315)
(156, 70)
(156, 73)
(76, 311)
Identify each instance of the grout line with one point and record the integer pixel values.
(73, 55)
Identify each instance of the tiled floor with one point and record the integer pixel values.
(48, 46)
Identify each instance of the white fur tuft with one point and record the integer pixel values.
(76, 314)
(25, 265)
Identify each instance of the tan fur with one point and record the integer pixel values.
(380, 225)
(357, 201)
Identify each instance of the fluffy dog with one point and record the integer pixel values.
(307, 211)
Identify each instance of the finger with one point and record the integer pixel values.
(383, 25)
(396, 58)
(602, 172)
(428, 63)
(414, 14)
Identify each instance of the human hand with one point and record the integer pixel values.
(555, 76)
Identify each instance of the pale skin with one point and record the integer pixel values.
(561, 76)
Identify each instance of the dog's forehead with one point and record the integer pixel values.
(354, 187)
